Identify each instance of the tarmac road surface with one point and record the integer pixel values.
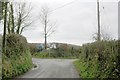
(52, 68)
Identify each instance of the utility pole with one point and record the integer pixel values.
(98, 11)
(99, 36)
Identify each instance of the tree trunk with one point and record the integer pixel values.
(5, 21)
(19, 24)
(9, 24)
(1, 16)
(12, 16)
(45, 42)
(45, 35)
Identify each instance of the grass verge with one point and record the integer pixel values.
(47, 55)
(15, 66)
(85, 70)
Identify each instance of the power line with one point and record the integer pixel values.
(62, 6)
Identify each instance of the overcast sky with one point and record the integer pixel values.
(76, 21)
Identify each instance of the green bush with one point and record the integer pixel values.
(57, 53)
(42, 54)
(100, 60)
(16, 45)
(0, 56)
(33, 48)
(17, 59)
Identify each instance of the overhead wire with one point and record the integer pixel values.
(62, 6)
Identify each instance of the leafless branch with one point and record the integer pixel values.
(49, 27)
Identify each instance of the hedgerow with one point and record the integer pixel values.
(100, 60)
(17, 58)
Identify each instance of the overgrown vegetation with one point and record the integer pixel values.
(34, 49)
(0, 56)
(59, 52)
(99, 60)
(17, 58)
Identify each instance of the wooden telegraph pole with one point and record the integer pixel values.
(99, 35)
(98, 11)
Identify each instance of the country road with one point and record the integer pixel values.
(52, 68)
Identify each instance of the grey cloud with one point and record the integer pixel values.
(76, 22)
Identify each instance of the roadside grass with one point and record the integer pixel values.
(85, 70)
(15, 66)
(46, 55)
(17, 58)
(0, 67)
(0, 63)
(102, 66)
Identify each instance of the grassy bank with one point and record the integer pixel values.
(0, 68)
(0, 56)
(17, 58)
(99, 62)
(86, 71)
(16, 65)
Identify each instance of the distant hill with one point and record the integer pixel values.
(55, 45)
(66, 45)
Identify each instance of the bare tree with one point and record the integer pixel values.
(95, 36)
(105, 36)
(23, 17)
(12, 18)
(15, 17)
(48, 27)
(18, 17)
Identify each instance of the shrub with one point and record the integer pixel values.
(32, 48)
(0, 56)
(17, 58)
(100, 60)
(16, 45)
